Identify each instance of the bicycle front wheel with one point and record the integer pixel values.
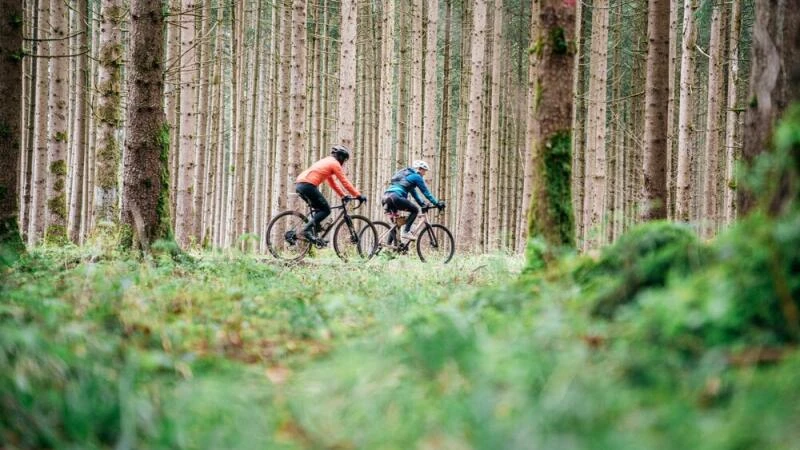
(435, 244)
(285, 236)
(385, 235)
(355, 239)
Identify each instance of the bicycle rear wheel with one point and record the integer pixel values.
(285, 236)
(355, 239)
(435, 244)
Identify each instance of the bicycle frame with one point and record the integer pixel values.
(421, 223)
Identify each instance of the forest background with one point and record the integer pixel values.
(255, 91)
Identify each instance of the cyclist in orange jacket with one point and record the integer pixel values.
(307, 185)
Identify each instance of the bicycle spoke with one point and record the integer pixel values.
(356, 239)
(435, 244)
(284, 236)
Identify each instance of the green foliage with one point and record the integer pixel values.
(643, 258)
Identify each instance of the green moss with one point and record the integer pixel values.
(558, 41)
(558, 173)
(537, 48)
(108, 158)
(641, 259)
(58, 185)
(551, 223)
(58, 205)
(56, 235)
(58, 167)
(60, 136)
(115, 14)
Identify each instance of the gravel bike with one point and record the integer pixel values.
(434, 242)
(354, 236)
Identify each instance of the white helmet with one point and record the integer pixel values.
(420, 164)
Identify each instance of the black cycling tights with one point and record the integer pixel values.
(394, 202)
(316, 200)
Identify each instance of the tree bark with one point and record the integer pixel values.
(80, 129)
(494, 126)
(713, 120)
(550, 216)
(187, 151)
(471, 205)
(347, 77)
(297, 94)
(145, 196)
(10, 126)
(683, 190)
(656, 110)
(58, 128)
(733, 117)
(774, 81)
(108, 114)
(595, 172)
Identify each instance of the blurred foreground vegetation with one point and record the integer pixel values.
(660, 341)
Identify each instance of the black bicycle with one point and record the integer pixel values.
(435, 242)
(354, 236)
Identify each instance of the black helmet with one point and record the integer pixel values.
(341, 153)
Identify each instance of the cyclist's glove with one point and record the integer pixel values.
(440, 206)
(362, 198)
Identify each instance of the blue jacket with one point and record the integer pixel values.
(412, 182)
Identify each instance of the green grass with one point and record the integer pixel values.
(234, 351)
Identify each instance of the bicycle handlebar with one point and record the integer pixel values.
(429, 207)
(347, 199)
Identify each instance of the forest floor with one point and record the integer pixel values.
(232, 351)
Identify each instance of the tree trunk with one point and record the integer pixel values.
(494, 126)
(471, 205)
(595, 190)
(733, 118)
(550, 216)
(683, 190)
(429, 93)
(145, 196)
(774, 81)
(187, 151)
(80, 125)
(10, 126)
(297, 94)
(347, 78)
(579, 122)
(108, 113)
(416, 66)
(387, 95)
(38, 189)
(713, 120)
(656, 110)
(58, 127)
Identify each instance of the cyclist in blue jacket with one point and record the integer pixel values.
(406, 181)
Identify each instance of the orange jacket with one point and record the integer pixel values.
(322, 170)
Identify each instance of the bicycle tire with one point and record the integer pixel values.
(280, 243)
(382, 228)
(357, 243)
(435, 244)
